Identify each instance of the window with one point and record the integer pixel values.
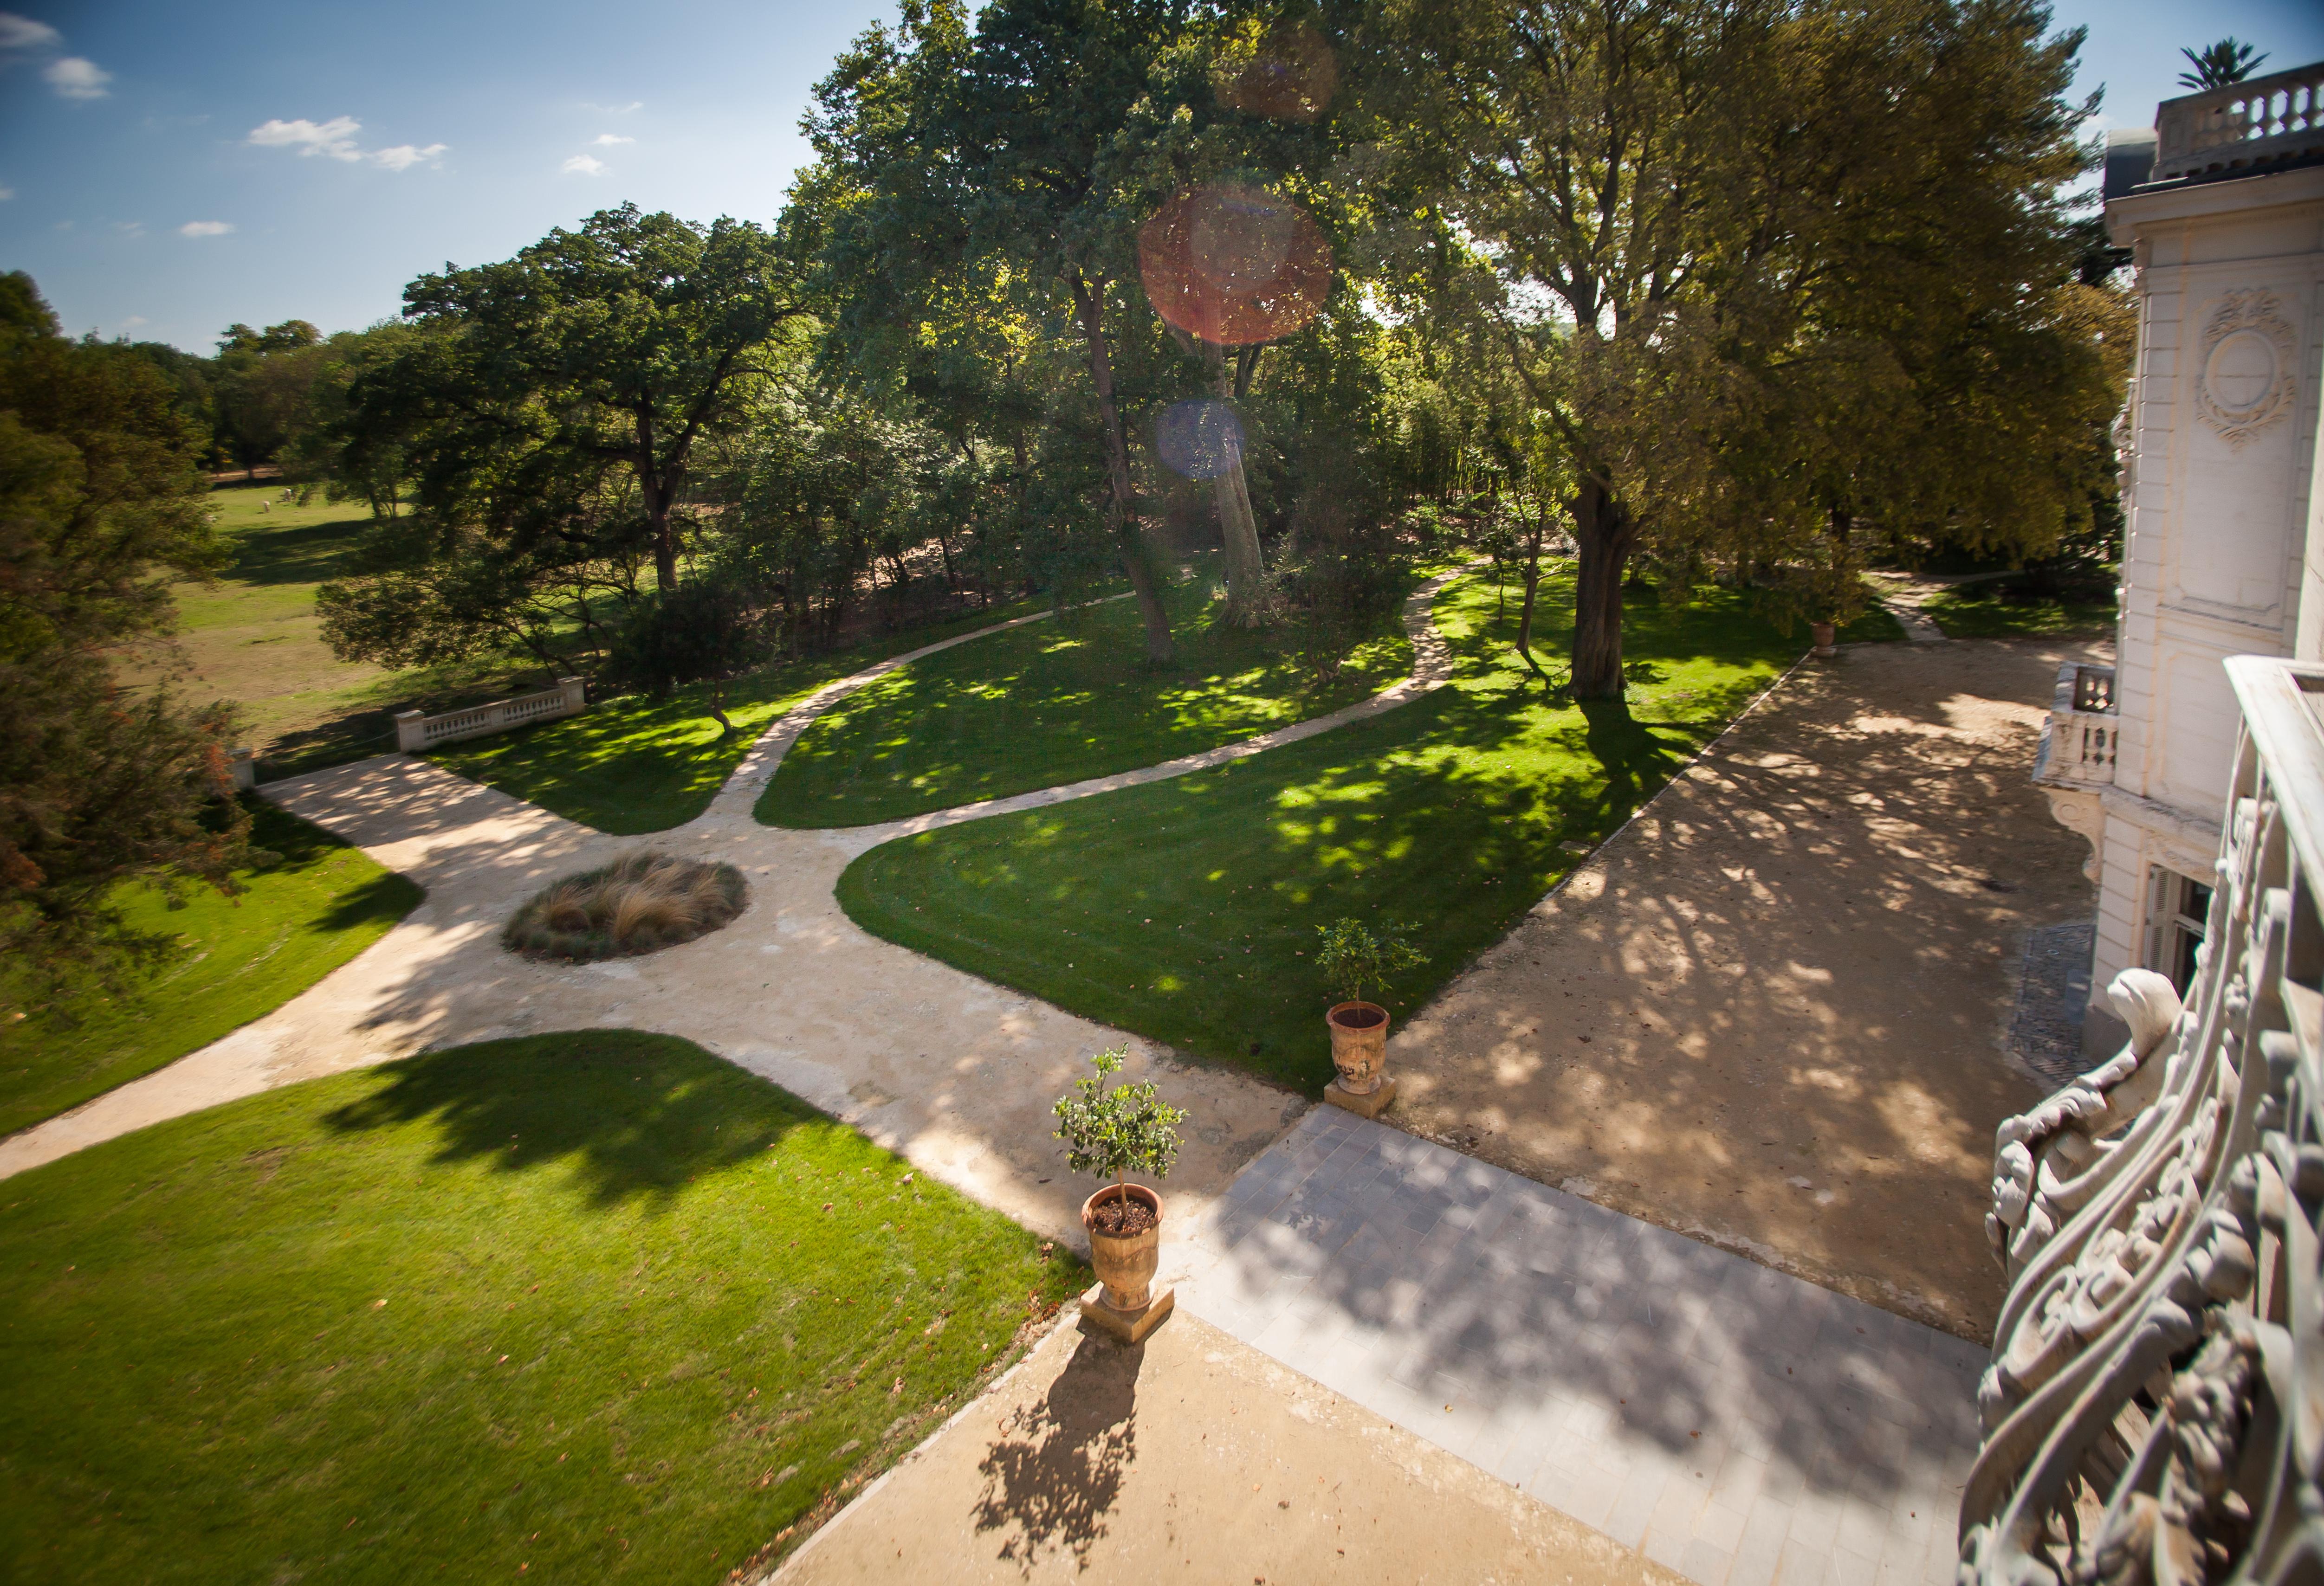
(2182, 906)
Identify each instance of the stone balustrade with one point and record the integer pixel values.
(2153, 1410)
(2080, 741)
(2242, 129)
(415, 732)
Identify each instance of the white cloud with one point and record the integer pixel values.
(334, 137)
(204, 228)
(405, 156)
(133, 322)
(130, 227)
(585, 166)
(616, 109)
(22, 33)
(78, 78)
(607, 140)
(6, 194)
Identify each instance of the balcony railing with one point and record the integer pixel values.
(2155, 1410)
(2242, 129)
(2078, 743)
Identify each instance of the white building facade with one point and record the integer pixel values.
(2224, 548)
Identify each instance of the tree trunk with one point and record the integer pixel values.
(1525, 615)
(1246, 568)
(1603, 534)
(1122, 503)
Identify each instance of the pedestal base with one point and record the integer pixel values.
(1371, 1106)
(1126, 1326)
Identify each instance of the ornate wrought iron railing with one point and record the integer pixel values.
(2155, 1410)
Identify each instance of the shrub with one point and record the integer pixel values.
(1355, 956)
(639, 903)
(1115, 1133)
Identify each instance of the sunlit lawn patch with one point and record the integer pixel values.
(1187, 911)
(1056, 702)
(322, 904)
(633, 764)
(583, 1306)
(1987, 610)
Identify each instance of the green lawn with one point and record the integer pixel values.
(299, 919)
(1186, 910)
(576, 1307)
(633, 765)
(253, 637)
(1984, 611)
(1057, 703)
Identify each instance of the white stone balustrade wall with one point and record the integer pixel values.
(2259, 122)
(415, 732)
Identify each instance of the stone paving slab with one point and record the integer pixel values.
(1738, 1425)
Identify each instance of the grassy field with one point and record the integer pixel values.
(253, 637)
(1984, 611)
(586, 1306)
(1186, 910)
(301, 918)
(633, 765)
(1057, 702)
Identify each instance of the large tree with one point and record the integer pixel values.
(613, 349)
(1705, 234)
(100, 504)
(949, 151)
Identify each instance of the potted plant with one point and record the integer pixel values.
(1113, 1134)
(1356, 958)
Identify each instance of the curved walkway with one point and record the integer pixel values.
(952, 1070)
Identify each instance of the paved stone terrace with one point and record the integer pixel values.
(1736, 1424)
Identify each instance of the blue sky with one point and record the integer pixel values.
(173, 168)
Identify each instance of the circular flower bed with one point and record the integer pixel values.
(639, 903)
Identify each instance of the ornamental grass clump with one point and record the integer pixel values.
(639, 903)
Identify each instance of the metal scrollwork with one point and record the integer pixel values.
(2154, 1406)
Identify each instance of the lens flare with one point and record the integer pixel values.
(1199, 437)
(1292, 77)
(1233, 265)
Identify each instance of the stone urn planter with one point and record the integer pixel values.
(1823, 633)
(1125, 1262)
(1357, 957)
(1115, 1133)
(1359, 1045)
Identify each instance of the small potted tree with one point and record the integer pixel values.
(1355, 958)
(1113, 1134)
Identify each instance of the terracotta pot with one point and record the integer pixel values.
(1824, 634)
(1359, 1045)
(1126, 1265)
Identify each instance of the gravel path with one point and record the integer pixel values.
(956, 1074)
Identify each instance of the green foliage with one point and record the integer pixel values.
(310, 905)
(699, 632)
(1742, 349)
(597, 1304)
(99, 504)
(1355, 955)
(2219, 65)
(1117, 1133)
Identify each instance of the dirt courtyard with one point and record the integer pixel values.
(1770, 1013)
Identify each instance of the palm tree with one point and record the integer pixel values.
(2226, 61)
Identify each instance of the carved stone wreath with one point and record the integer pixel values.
(2244, 383)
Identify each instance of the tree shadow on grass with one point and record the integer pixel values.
(1052, 1478)
(635, 1116)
